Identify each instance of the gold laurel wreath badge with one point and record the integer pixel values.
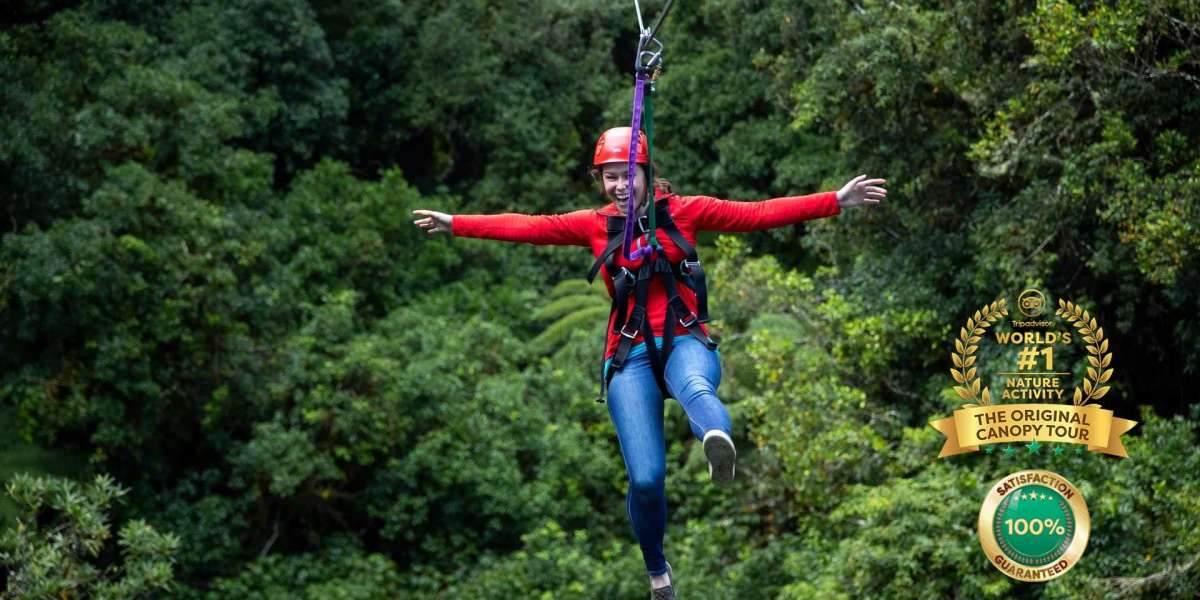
(1098, 355)
(965, 347)
(962, 434)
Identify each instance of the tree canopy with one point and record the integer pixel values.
(222, 338)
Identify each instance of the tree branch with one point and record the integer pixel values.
(1131, 584)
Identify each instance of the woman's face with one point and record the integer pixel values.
(615, 178)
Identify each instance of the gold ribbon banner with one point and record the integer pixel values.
(974, 426)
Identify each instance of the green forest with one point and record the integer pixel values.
(231, 367)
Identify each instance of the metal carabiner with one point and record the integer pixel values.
(646, 59)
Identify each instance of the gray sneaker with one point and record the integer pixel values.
(666, 592)
(722, 456)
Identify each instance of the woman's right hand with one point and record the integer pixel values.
(433, 222)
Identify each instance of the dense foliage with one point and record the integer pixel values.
(211, 292)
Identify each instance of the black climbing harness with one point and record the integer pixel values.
(627, 322)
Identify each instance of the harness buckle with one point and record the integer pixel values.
(687, 266)
(625, 331)
(692, 319)
(629, 278)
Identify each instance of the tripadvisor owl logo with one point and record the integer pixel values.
(1031, 303)
(1034, 525)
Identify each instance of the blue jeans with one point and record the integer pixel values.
(635, 404)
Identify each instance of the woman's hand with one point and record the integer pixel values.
(861, 190)
(433, 221)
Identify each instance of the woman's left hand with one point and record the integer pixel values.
(861, 190)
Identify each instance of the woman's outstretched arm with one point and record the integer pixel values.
(569, 229)
(726, 215)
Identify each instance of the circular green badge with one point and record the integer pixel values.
(1034, 525)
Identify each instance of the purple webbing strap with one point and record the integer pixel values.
(630, 211)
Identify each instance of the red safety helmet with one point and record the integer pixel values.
(613, 147)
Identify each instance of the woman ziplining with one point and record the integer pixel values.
(692, 371)
(654, 282)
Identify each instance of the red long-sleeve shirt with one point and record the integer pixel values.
(587, 227)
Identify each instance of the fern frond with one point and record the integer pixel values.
(578, 286)
(567, 305)
(592, 319)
